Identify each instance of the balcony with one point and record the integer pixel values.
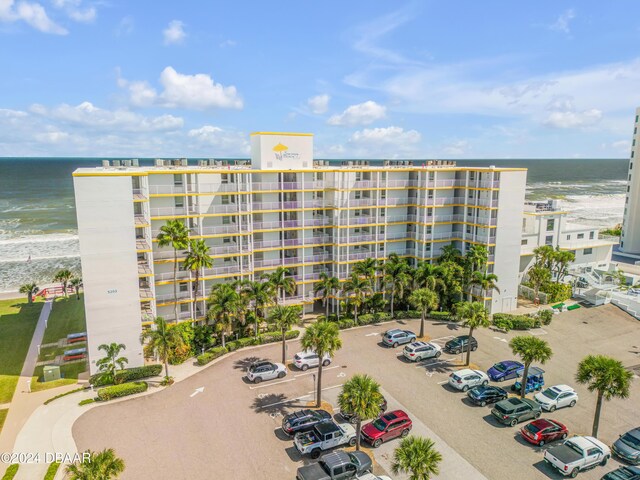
(229, 270)
(219, 187)
(232, 249)
(140, 220)
(169, 297)
(363, 202)
(392, 202)
(400, 183)
(144, 268)
(181, 316)
(166, 189)
(315, 240)
(319, 221)
(168, 255)
(357, 256)
(168, 276)
(145, 293)
(174, 211)
(267, 244)
(142, 244)
(139, 194)
(360, 220)
(364, 184)
(226, 208)
(222, 229)
(400, 219)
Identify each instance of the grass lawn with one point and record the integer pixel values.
(3, 416)
(69, 372)
(66, 317)
(18, 320)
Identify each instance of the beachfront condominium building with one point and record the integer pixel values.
(281, 208)
(630, 239)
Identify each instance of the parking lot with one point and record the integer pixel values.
(231, 429)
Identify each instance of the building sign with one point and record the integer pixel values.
(282, 153)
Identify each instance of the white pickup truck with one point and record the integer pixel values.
(324, 436)
(577, 454)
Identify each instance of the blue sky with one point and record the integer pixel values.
(371, 79)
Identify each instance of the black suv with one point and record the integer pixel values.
(350, 417)
(460, 344)
(303, 420)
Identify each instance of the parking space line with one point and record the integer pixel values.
(443, 382)
(272, 384)
(324, 370)
(422, 365)
(328, 388)
(284, 401)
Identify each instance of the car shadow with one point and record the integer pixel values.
(280, 435)
(469, 403)
(383, 345)
(490, 419)
(275, 403)
(546, 470)
(244, 363)
(295, 456)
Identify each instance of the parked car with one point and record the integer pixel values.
(460, 344)
(264, 370)
(466, 378)
(484, 394)
(543, 431)
(627, 447)
(338, 465)
(395, 337)
(577, 454)
(324, 436)
(418, 351)
(387, 427)
(557, 396)
(308, 358)
(505, 370)
(515, 410)
(303, 420)
(350, 417)
(623, 473)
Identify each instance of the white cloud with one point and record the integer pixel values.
(562, 22)
(125, 26)
(572, 119)
(225, 142)
(52, 137)
(174, 33)
(7, 113)
(385, 142)
(622, 146)
(32, 14)
(387, 135)
(73, 8)
(361, 114)
(319, 104)
(459, 147)
(228, 43)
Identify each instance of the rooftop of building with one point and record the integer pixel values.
(543, 207)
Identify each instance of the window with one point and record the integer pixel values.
(226, 220)
(226, 240)
(429, 194)
(472, 175)
(548, 240)
(184, 307)
(524, 241)
(587, 251)
(580, 236)
(224, 178)
(428, 229)
(358, 195)
(383, 194)
(225, 200)
(568, 237)
(431, 176)
(381, 247)
(184, 287)
(177, 180)
(628, 188)
(592, 235)
(179, 202)
(550, 225)
(382, 212)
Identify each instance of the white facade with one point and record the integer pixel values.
(311, 219)
(630, 239)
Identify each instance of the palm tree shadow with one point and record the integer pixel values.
(244, 363)
(274, 404)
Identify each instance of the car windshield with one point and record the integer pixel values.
(502, 409)
(550, 393)
(500, 367)
(532, 428)
(379, 424)
(324, 466)
(631, 441)
(354, 459)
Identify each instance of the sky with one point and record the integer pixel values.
(370, 79)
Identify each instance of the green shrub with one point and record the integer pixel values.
(366, 319)
(444, 316)
(52, 470)
(272, 337)
(346, 323)
(502, 323)
(129, 374)
(47, 402)
(240, 343)
(507, 321)
(545, 316)
(211, 355)
(407, 314)
(115, 391)
(381, 317)
(556, 292)
(86, 401)
(11, 472)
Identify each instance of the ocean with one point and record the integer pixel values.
(38, 233)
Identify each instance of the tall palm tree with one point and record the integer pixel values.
(562, 260)
(530, 349)
(449, 253)
(162, 340)
(29, 289)
(428, 275)
(395, 274)
(538, 275)
(486, 281)
(327, 286)
(357, 288)
(102, 465)
(176, 235)
(417, 456)
(544, 256)
(282, 282)
(197, 258)
(260, 293)
(76, 284)
(360, 395)
(108, 366)
(473, 315)
(285, 317)
(224, 305)
(367, 268)
(63, 276)
(477, 257)
(324, 339)
(606, 376)
(424, 300)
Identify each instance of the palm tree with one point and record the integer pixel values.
(285, 317)
(76, 284)
(260, 293)
(360, 395)
(176, 235)
(427, 275)
(357, 288)
(224, 304)
(323, 338)
(544, 256)
(102, 465)
(196, 259)
(538, 276)
(449, 253)
(162, 340)
(395, 274)
(29, 289)
(477, 257)
(530, 349)
(108, 365)
(473, 315)
(367, 268)
(424, 300)
(282, 282)
(562, 260)
(327, 285)
(486, 281)
(63, 276)
(608, 377)
(417, 456)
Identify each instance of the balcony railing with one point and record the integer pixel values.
(363, 202)
(231, 269)
(144, 268)
(315, 240)
(167, 276)
(181, 316)
(399, 201)
(166, 189)
(169, 211)
(223, 229)
(400, 183)
(365, 184)
(142, 244)
(146, 293)
(319, 221)
(169, 297)
(140, 219)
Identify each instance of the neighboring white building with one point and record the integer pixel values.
(282, 209)
(630, 239)
(545, 223)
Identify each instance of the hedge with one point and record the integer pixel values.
(444, 316)
(128, 374)
(11, 471)
(47, 402)
(115, 391)
(86, 401)
(211, 355)
(52, 470)
(507, 321)
(262, 339)
(557, 292)
(408, 314)
(346, 323)
(545, 316)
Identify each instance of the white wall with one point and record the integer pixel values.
(298, 153)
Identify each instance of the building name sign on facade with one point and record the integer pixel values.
(281, 152)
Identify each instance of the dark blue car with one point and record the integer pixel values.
(505, 370)
(485, 394)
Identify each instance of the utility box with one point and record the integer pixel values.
(51, 372)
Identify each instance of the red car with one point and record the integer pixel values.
(388, 426)
(543, 431)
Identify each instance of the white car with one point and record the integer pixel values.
(466, 378)
(371, 476)
(308, 358)
(555, 397)
(418, 351)
(264, 370)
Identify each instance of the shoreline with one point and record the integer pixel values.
(12, 296)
